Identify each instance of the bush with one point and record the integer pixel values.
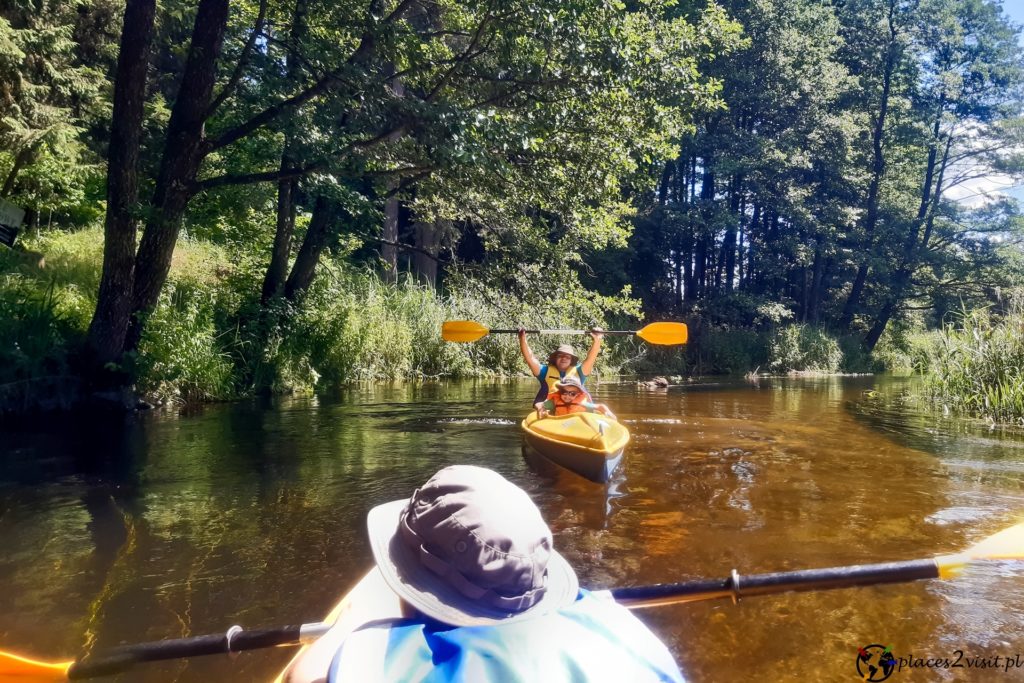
(803, 348)
(976, 366)
(180, 357)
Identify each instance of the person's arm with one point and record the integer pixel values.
(588, 363)
(605, 410)
(528, 356)
(544, 407)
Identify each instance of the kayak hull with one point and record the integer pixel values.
(589, 444)
(368, 600)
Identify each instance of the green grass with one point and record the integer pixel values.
(976, 365)
(209, 338)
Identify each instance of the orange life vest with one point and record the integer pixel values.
(575, 406)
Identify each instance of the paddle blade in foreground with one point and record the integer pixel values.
(1008, 544)
(665, 334)
(463, 331)
(17, 669)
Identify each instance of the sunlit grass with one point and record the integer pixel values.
(977, 365)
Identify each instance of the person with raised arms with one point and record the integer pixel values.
(562, 363)
(484, 597)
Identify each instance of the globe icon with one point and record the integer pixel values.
(875, 662)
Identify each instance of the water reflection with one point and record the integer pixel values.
(124, 530)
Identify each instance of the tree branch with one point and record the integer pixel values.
(323, 85)
(243, 61)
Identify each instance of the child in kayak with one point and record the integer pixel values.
(486, 598)
(562, 363)
(570, 397)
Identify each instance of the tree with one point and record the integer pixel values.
(492, 96)
(972, 78)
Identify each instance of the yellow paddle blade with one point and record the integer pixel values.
(664, 333)
(1008, 544)
(462, 331)
(17, 669)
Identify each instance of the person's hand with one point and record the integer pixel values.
(521, 333)
(597, 333)
(541, 411)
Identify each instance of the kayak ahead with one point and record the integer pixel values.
(589, 444)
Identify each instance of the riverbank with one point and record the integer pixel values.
(211, 339)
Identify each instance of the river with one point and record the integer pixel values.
(119, 530)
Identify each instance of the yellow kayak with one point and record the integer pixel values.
(589, 444)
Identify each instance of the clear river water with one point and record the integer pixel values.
(119, 530)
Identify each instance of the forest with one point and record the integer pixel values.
(228, 198)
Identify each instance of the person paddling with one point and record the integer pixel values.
(486, 598)
(570, 397)
(562, 363)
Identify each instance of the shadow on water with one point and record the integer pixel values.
(165, 525)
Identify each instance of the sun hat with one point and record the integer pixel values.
(470, 548)
(569, 382)
(567, 350)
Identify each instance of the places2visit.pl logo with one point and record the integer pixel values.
(875, 662)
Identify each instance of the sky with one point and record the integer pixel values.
(981, 190)
(1014, 9)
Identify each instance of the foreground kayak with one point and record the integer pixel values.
(588, 444)
(368, 600)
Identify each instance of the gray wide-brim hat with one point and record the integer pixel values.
(489, 559)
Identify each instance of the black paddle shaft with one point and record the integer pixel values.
(737, 586)
(122, 658)
(562, 331)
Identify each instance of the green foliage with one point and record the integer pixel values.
(803, 348)
(45, 312)
(977, 365)
(37, 335)
(53, 78)
(179, 357)
(350, 326)
(905, 350)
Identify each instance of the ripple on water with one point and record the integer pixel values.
(961, 514)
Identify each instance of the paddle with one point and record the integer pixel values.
(665, 334)
(1005, 545)
(15, 667)
(1008, 544)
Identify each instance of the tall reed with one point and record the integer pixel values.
(977, 366)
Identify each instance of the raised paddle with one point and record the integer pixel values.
(665, 334)
(1005, 545)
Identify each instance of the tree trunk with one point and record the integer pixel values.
(707, 197)
(429, 237)
(817, 277)
(389, 248)
(877, 171)
(318, 236)
(751, 249)
(287, 188)
(925, 215)
(114, 302)
(666, 180)
(183, 154)
(685, 252)
(21, 159)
